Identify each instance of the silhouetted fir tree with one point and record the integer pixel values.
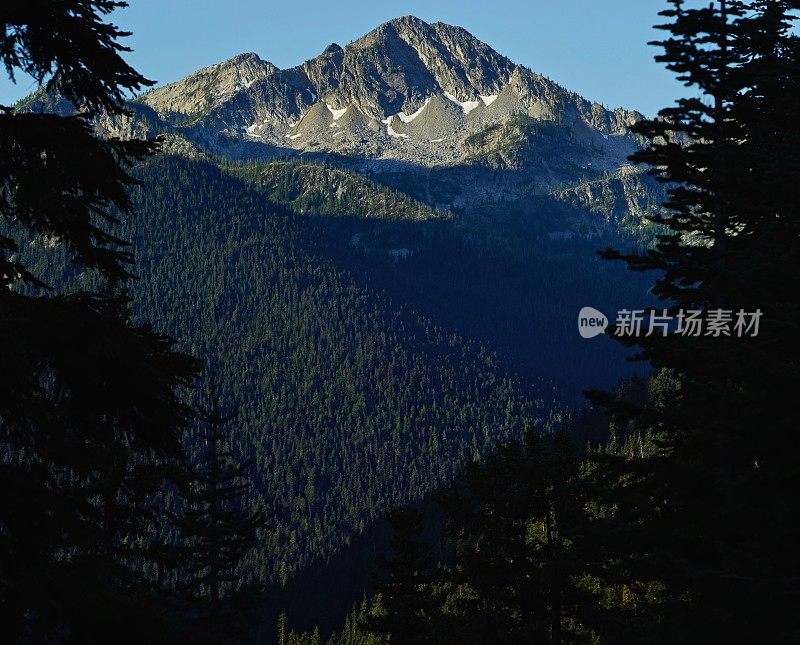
(709, 515)
(406, 605)
(89, 408)
(518, 518)
(517, 521)
(217, 528)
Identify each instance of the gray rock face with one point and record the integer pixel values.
(200, 93)
(425, 108)
(408, 90)
(404, 61)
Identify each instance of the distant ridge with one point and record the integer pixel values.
(407, 90)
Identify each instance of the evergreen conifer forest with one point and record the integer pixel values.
(289, 356)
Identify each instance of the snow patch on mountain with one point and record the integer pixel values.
(390, 130)
(337, 114)
(466, 106)
(408, 118)
(250, 131)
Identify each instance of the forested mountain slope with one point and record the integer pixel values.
(349, 400)
(370, 358)
(381, 253)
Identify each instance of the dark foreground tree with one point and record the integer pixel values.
(516, 522)
(217, 529)
(90, 413)
(405, 608)
(712, 515)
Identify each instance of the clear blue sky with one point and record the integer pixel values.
(594, 47)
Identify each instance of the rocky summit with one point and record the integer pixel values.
(426, 109)
(408, 90)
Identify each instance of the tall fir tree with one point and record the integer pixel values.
(710, 515)
(217, 529)
(89, 401)
(517, 522)
(517, 519)
(405, 607)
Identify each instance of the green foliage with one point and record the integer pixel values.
(330, 350)
(540, 543)
(480, 139)
(364, 384)
(216, 531)
(522, 140)
(90, 403)
(527, 565)
(325, 369)
(705, 515)
(320, 190)
(406, 590)
(353, 632)
(513, 132)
